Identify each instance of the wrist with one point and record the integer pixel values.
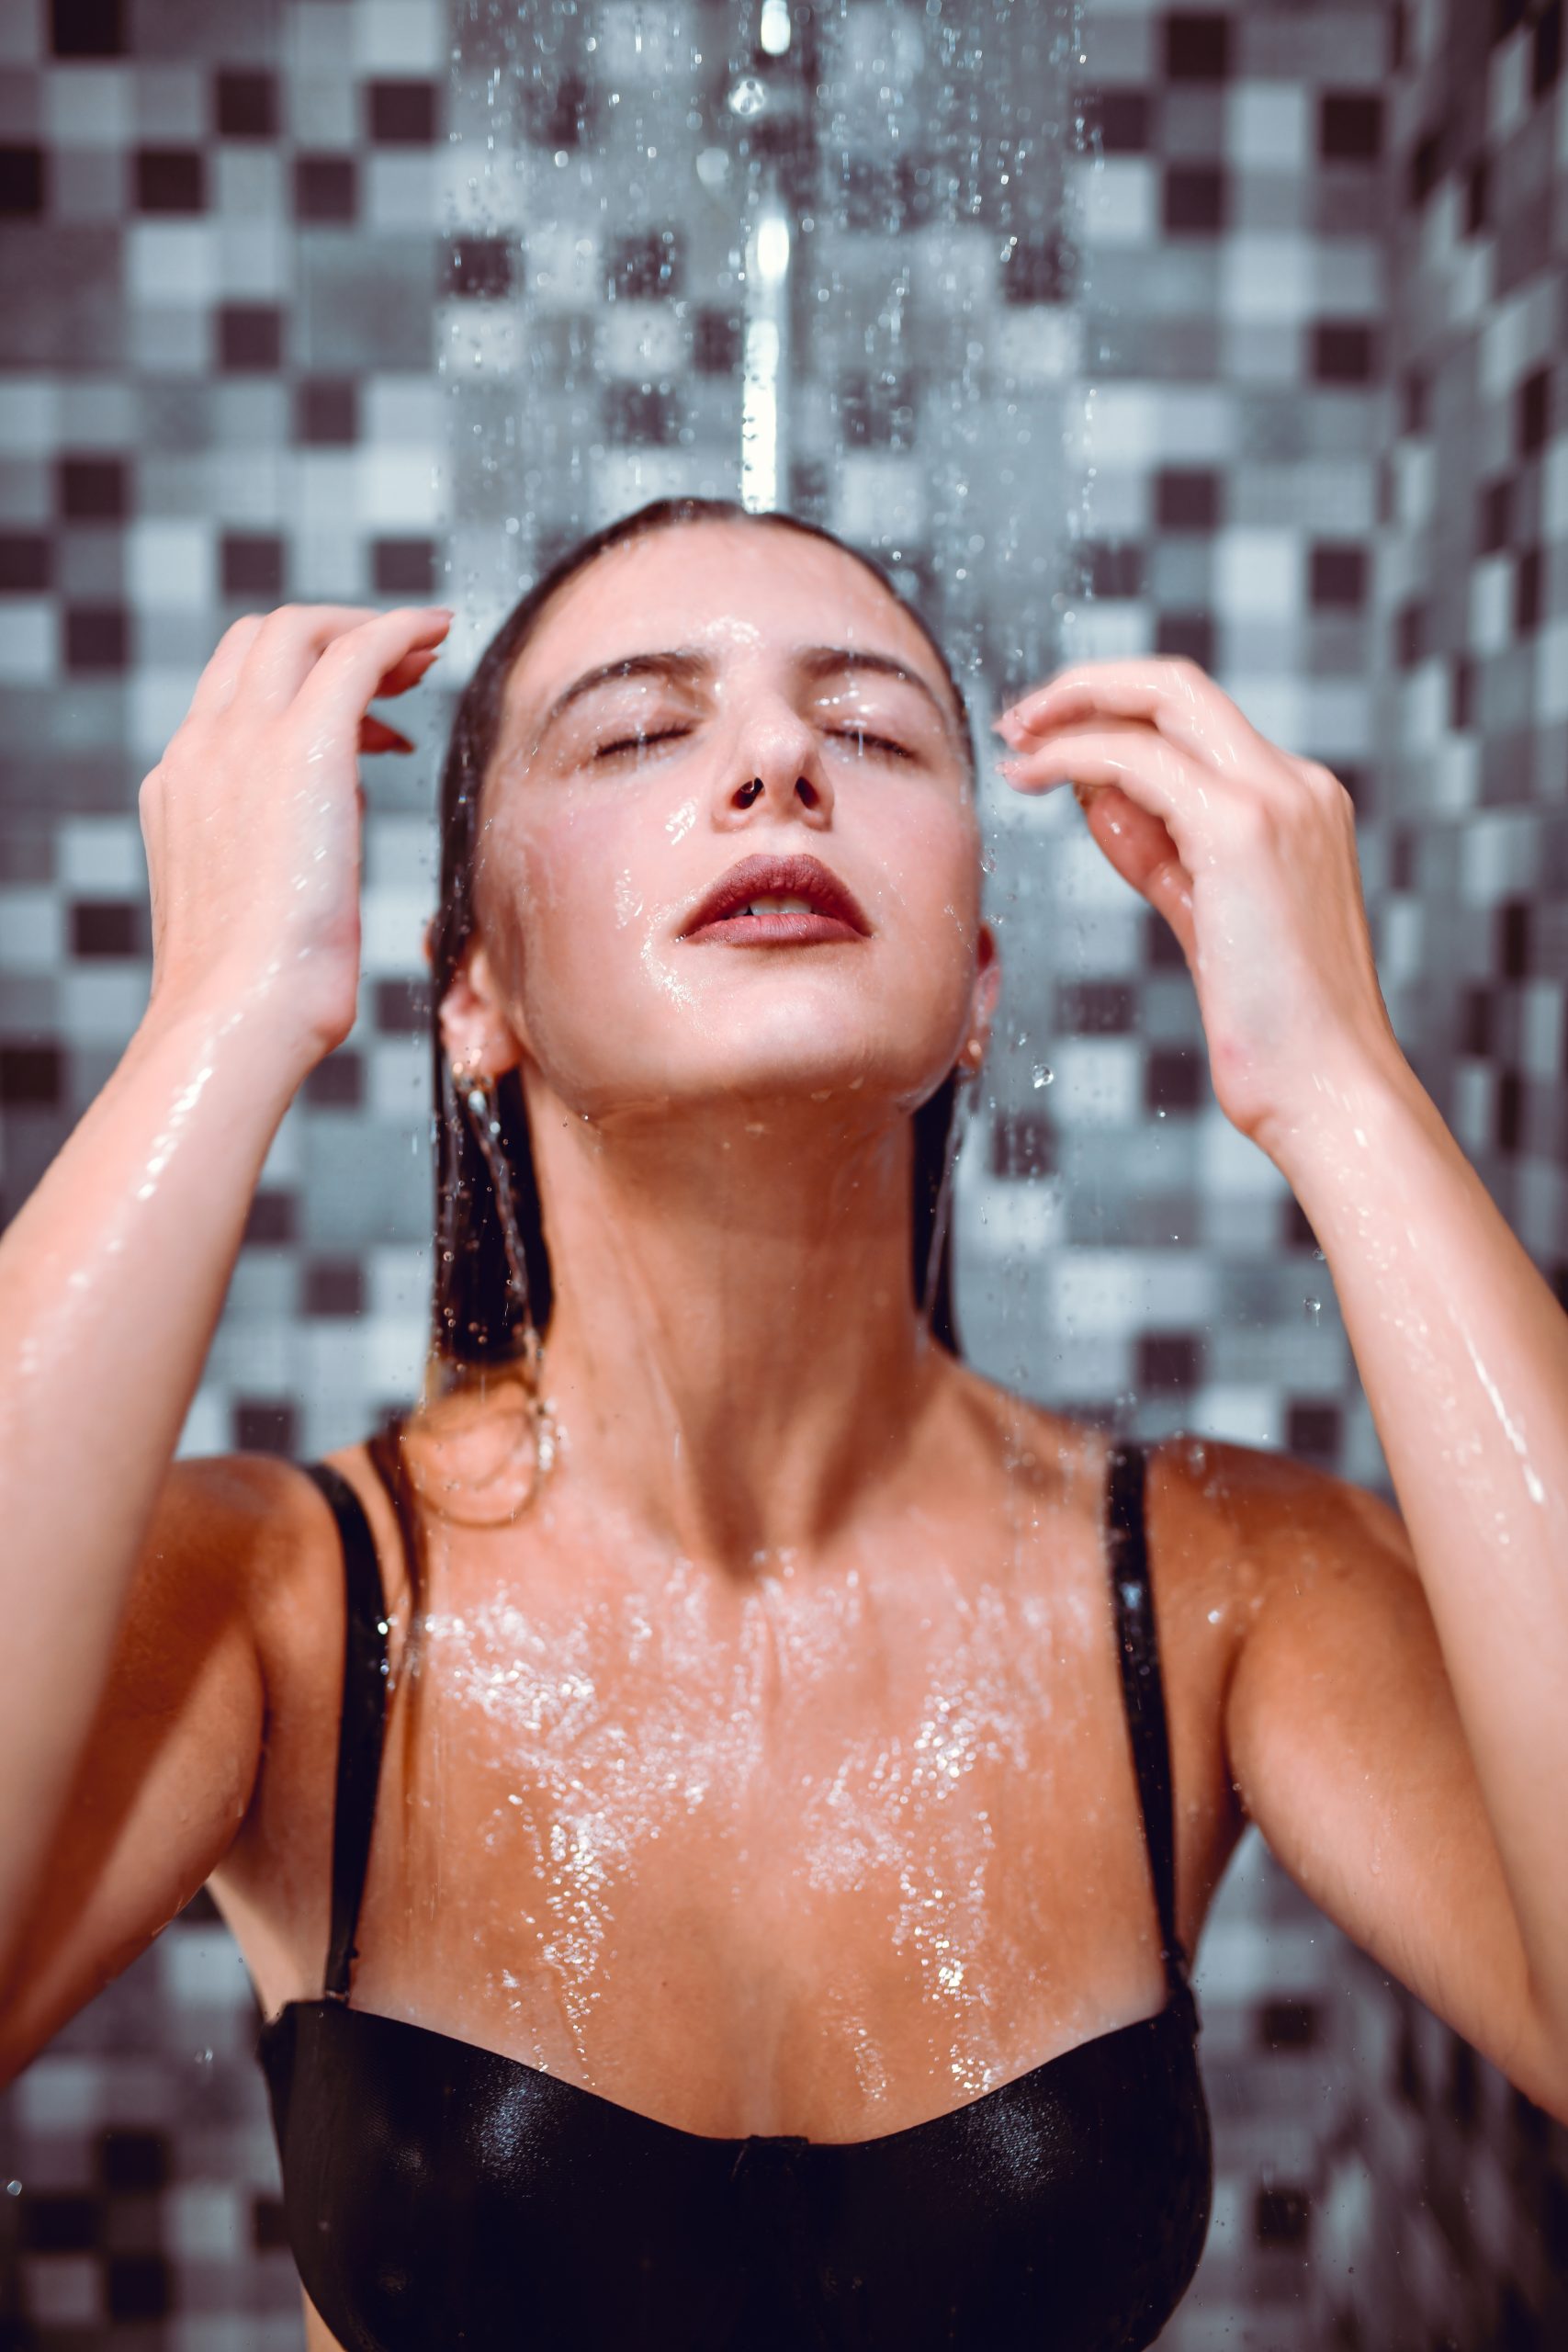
(235, 1020)
(1350, 1112)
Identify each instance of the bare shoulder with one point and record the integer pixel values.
(226, 1528)
(1257, 1516)
(1211, 1508)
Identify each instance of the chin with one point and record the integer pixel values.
(774, 1034)
(870, 1082)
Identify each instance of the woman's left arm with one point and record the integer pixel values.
(1397, 1719)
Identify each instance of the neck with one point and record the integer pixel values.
(734, 1354)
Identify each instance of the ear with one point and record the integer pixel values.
(987, 994)
(476, 1030)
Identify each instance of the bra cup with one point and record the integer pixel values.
(468, 2191)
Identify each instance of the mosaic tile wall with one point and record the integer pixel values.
(1204, 331)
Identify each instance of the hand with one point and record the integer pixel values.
(1249, 851)
(252, 818)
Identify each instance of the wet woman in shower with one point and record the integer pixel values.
(756, 1756)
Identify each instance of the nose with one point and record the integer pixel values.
(774, 767)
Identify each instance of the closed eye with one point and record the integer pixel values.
(639, 742)
(856, 735)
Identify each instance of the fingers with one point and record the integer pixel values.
(215, 687)
(353, 667)
(408, 671)
(1170, 785)
(1177, 698)
(291, 642)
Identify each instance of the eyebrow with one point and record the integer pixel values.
(685, 665)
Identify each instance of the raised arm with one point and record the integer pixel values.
(1398, 1720)
(119, 1569)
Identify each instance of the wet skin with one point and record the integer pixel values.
(764, 1766)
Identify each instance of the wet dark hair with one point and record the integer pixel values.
(477, 1312)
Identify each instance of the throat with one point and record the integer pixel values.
(735, 1353)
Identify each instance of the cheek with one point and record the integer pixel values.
(583, 886)
(928, 890)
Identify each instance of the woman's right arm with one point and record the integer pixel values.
(130, 1690)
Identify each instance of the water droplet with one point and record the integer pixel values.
(1042, 1074)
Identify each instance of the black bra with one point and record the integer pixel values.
(439, 2194)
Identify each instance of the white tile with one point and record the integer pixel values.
(1038, 343)
(391, 927)
(640, 340)
(1270, 126)
(170, 564)
(403, 854)
(206, 2220)
(406, 408)
(157, 703)
(256, 255)
(89, 106)
(1267, 275)
(1098, 1081)
(1230, 1164)
(1249, 1416)
(32, 930)
(398, 36)
(1258, 574)
(882, 497)
(479, 339)
(399, 190)
(1116, 200)
(102, 857)
(30, 421)
(170, 262)
(59, 2095)
(397, 1283)
(29, 642)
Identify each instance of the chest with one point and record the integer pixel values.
(845, 1847)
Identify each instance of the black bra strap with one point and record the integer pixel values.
(1140, 1686)
(362, 1721)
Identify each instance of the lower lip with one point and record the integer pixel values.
(774, 931)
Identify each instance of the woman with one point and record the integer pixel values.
(752, 1917)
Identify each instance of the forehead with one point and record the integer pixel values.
(737, 590)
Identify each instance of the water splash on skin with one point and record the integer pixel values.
(167, 1141)
(659, 970)
(679, 824)
(1511, 1430)
(818, 1747)
(628, 902)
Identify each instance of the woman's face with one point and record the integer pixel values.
(709, 694)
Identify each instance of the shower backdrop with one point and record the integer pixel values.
(1111, 329)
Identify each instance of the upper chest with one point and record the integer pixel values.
(862, 1828)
